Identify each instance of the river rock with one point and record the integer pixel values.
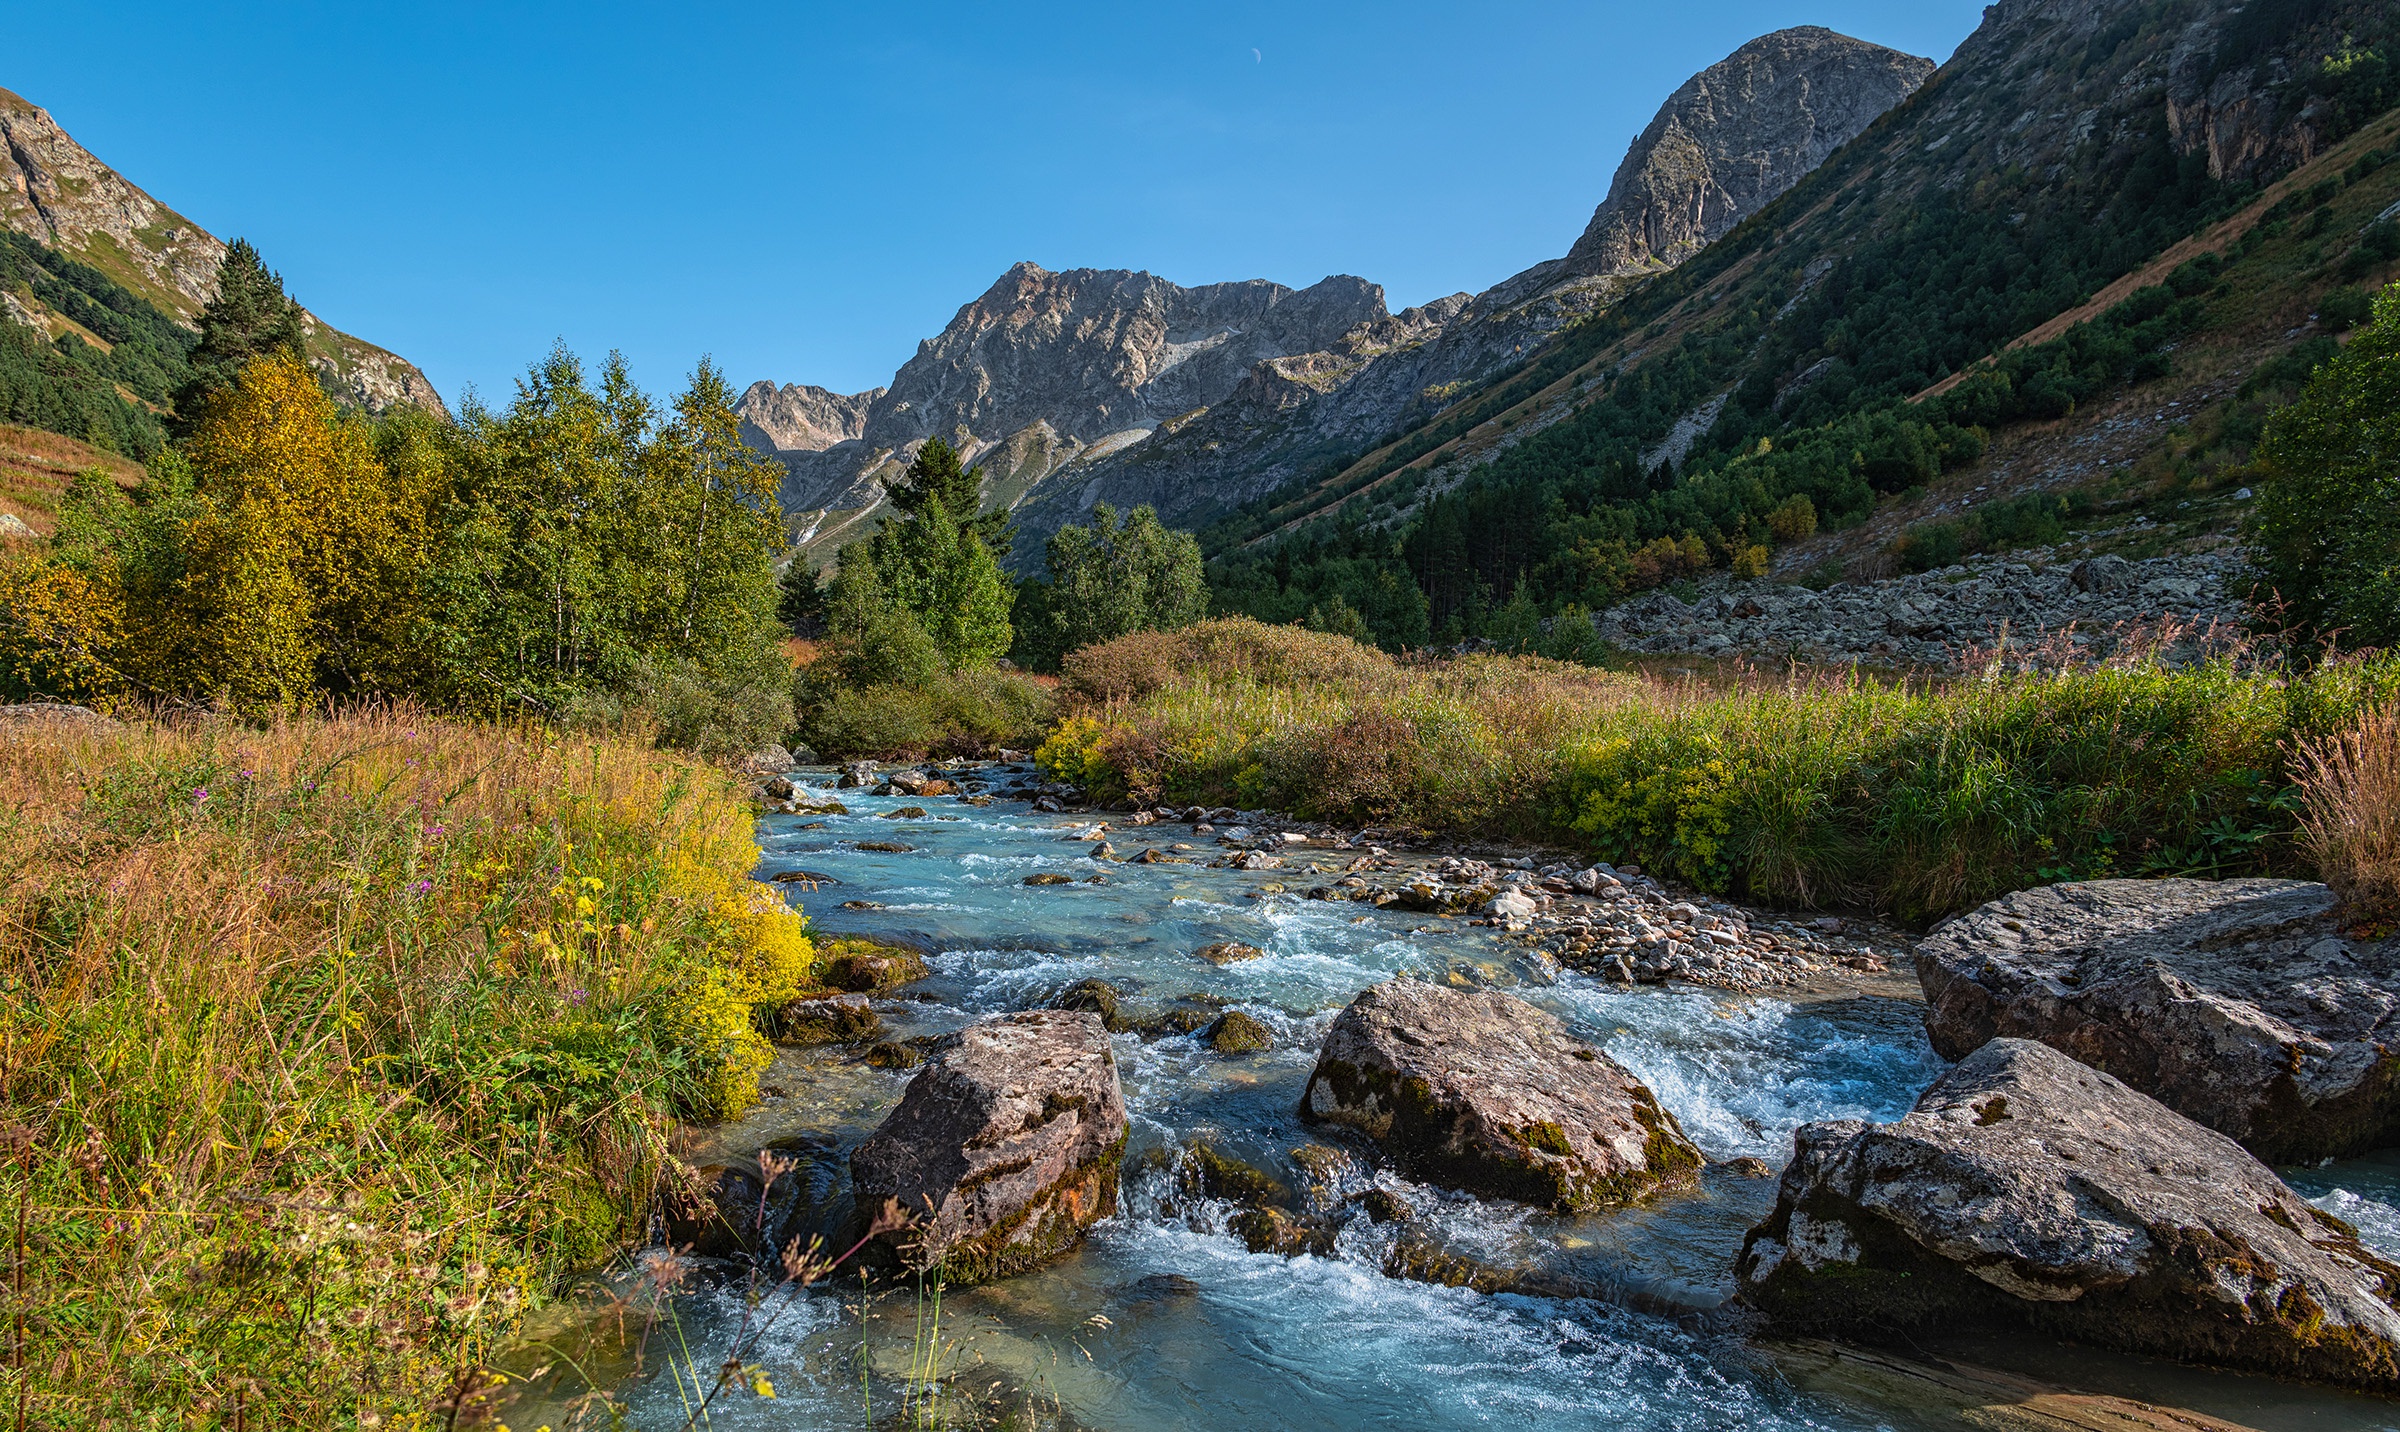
(872, 969)
(1479, 1090)
(766, 760)
(1228, 952)
(1005, 1146)
(1237, 1033)
(2236, 1003)
(2028, 1189)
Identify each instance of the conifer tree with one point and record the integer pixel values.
(249, 317)
(937, 474)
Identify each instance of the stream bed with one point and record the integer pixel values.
(1164, 1321)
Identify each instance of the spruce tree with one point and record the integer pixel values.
(937, 474)
(250, 317)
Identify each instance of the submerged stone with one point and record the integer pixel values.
(1481, 1091)
(838, 1019)
(1005, 1147)
(1237, 1033)
(1228, 952)
(2026, 1189)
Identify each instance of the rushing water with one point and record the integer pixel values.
(1164, 1321)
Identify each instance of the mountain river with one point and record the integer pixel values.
(1164, 1321)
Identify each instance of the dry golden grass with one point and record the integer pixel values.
(36, 466)
(2351, 782)
(326, 1048)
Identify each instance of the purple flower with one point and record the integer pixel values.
(422, 887)
(433, 832)
(199, 794)
(575, 996)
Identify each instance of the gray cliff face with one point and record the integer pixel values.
(802, 417)
(1047, 367)
(53, 191)
(1737, 135)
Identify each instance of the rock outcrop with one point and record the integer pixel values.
(1046, 368)
(1005, 1146)
(2026, 1189)
(53, 191)
(801, 417)
(1481, 1091)
(2239, 1004)
(1732, 139)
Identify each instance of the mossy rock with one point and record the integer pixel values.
(1049, 877)
(892, 1055)
(885, 847)
(838, 1019)
(905, 813)
(864, 967)
(1096, 997)
(1208, 1172)
(1238, 1033)
(1228, 952)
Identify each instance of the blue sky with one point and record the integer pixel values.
(805, 191)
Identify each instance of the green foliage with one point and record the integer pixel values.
(2327, 527)
(2032, 520)
(967, 712)
(249, 318)
(937, 475)
(799, 598)
(938, 571)
(73, 387)
(1921, 801)
(1110, 578)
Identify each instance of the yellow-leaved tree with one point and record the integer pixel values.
(301, 570)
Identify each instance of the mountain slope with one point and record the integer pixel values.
(1728, 141)
(54, 192)
(1044, 368)
(2067, 144)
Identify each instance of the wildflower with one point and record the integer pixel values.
(434, 832)
(476, 1272)
(460, 1305)
(199, 795)
(506, 1296)
(575, 996)
(355, 1318)
(422, 887)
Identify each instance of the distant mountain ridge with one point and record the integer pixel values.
(1095, 386)
(55, 192)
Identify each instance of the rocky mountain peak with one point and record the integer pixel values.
(802, 417)
(55, 192)
(1733, 138)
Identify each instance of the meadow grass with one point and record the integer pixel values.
(1919, 798)
(329, 1047)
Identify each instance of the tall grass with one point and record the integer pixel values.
(1919, 799)
(2351, 780)
(326, 1048)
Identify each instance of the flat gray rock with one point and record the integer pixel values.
(1481, 1091)
(2236, 1003)
(2028, 1189)
(1005, 1146)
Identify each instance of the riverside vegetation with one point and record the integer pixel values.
(330, 1045)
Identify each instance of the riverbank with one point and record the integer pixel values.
(1828, 792)
(330, 1046)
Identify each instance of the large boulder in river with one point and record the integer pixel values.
(2027, 1189)
(1005, 1146)
(2236, 1003)
(1481, 1091)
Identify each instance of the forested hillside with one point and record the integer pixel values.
(1786, 378)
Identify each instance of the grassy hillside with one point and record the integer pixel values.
(1834, 328)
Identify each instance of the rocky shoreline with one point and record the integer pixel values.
(2076, 1172)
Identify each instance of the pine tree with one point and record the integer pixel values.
(249, 317)
(937, 474)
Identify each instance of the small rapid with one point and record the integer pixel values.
(1163, 1320)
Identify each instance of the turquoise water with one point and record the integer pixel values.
(1164, 1321)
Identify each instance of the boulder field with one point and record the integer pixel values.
(1478, 1090)
(2026, 1189)
(1005, 1147)
(2239, 1004)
